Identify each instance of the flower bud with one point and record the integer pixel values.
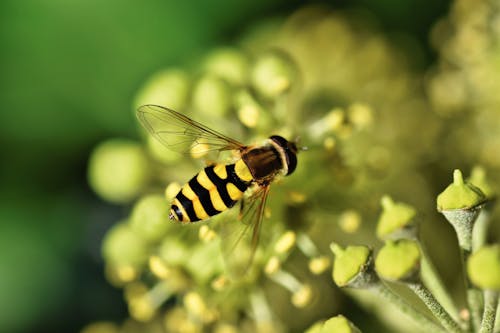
(339, 324)
(118, 170)
(229, 64)
(167, 88)
(212, 96)
(460, 203)
(396, 221)
(273, 74)
(459, 195)
(122, 245)
(483, 267)
(150, 217)
(352, 266)
(398, 260)
(478, 179)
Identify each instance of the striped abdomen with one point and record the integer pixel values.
(212, 191)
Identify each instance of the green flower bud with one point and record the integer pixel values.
(351, 266)
(273, 74)
(459, 195)
(229, 64)
(398, 260)
(483, 267)
(168, 88)
(250, 112)
(315, 328)
(149, 217)
(396, 221)
(478, 179)
(123, 246)
(339, 324)
(212, 96)
(118, 170)
(460, 203)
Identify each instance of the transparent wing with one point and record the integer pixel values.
(182, 134)
(240, 234)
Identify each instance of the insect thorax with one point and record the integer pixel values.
(263, 162)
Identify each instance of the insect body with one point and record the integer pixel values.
(212, 191)
(219, 187)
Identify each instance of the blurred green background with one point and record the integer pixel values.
(69, 71)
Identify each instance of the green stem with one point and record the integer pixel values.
(480, 230)
(437, 310)
(497, 319)
(464, 234)
(474, 297)
(475, 302)
(427, 323)
(432, 280)
(490, 310)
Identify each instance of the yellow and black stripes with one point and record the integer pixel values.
(212, 191)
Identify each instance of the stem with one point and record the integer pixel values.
(437, 310)
(497, 319)
(463, 225)
(427, 323)
(474, 297)
(464, 235)
(480, 230)
(475, 301)
(432, 280)
(490, 310)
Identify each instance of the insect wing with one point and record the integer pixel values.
(182, 134)
(240, 233)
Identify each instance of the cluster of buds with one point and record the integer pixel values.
(323, 77)
(403, 259)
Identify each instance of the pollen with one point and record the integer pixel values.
(285, 242)
(159, 267)
(141, 309)
(349, 221)
(319, 264)
(302, 297)
(220, 283)
(329, 143)
(360, 115)
(272, 266)
(126, 273)
(296, 197)
(206, 233)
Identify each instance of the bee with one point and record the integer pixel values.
(220, 186)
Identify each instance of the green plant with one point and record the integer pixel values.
(355, 101)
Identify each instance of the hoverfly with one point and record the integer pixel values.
(220, 186)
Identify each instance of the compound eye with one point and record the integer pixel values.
(291, 159)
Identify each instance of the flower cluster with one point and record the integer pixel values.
(352, 98)
(463, 85)
(404, 259)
